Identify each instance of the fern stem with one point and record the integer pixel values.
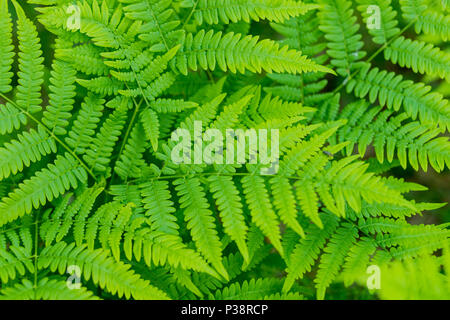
(136, 109)
(203, 174)
(190, 14)
(66, 147)
(125, 139)
(159, 26)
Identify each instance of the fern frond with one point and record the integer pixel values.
(404, 235)
(45, 289)
(261, 209)
(14, 261)
(6, 48)
(412, 141)
(157, 201)
(18, 235)
(233, 52)
(200, 221)
(101, 147)
(301, 33)
(128, 194)
(102, 85)
(429, 21)
(388, 27)
(307, 251)
(303, 151)
(309, 202)
(420, 57)
(231, 212)
(11, 118)
(255, 289)
(131, 159)
(58, 112)
(31, 74)
(271, 108)
(82, 133)
(28, 148)
(172, 106)
(116, 277)
(331, 261)
(105, 30)
(205, 113)
(165, 249)
(47, 184)
(80, 217)
(350, 183)
(389, 210)
(392, 91)
(114, 228)
(84, 58)
(56, 224)
(229, 117)
(215, 11)
(150, 123)
(338, 23)
(285, 202)
(357, 259)
(159, 22)
(50, 227)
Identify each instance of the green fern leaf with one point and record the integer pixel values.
(205, 50)
(214, 11)
(47, 184)
(150, 122)
(61, 101)
(307, 251)
(200, 221)
(28, 148)
(45, 289)
(231, 212)
(98, 266)
(6, 48)
(261, 209)
(332, 259)
(31, 74)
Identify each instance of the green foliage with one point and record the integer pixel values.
(431, 281)
(88, 179)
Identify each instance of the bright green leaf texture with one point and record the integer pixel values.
(223, 149)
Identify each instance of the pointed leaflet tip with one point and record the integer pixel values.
(19, 10)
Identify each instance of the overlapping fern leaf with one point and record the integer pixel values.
(88, 180)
